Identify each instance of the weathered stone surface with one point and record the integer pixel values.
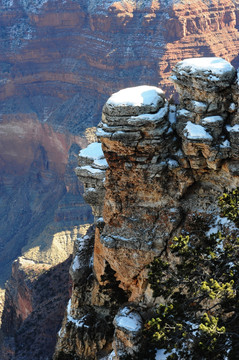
(208, 74)
(128, 331)
(156, 184)
(206, 87)
(61, 59)
(92, 174)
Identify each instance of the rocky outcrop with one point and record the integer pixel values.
(36, 296)
(167, 165)
(59, 62)
(92, 175)
(48, 87)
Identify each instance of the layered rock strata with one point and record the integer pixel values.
(167, 165)
(59, 61)
(92, 174)
(207, 110)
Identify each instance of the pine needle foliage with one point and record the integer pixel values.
(198, 317)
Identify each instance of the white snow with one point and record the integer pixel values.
(33, 5)
(183, 112)
(76, 264)
(136, 96)
(234, 128)
(91, 169)
(212, 119)
(111, 355)
(172, 114)
(199, 105)
(7, 3)
(101, 164)
(219, 222)
(232, 107)
(128, 320)
(79, 322)
(61, 332)
(90, 189)
(225, 144)
(160, 355)
(217, 66)
(159, 115)
(172, 164)
(93, 152)
(196, 132)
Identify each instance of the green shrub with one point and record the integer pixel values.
(198, 317)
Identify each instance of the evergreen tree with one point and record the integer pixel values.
(198, 317)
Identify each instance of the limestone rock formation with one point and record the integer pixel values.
(166, 164)
(60, 60)
(92, 175)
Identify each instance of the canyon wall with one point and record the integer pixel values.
(166, 167)
(59, 62)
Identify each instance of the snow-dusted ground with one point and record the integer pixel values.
(219, 223)
(32, 5)
(91, 169)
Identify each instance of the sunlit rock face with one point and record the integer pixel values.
(167, 165)
(59, 62)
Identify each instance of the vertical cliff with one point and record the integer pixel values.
(166, 163)
(59, 62)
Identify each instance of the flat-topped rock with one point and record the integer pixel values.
(213, 72)
(91, 153)
(135, 101)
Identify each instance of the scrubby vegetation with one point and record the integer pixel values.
(198, 317)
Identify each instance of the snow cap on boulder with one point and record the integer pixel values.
(208, 73)
(135, 101)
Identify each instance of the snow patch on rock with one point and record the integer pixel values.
(93, 152)
(234, 128)
(196, 132)
(217, 66)
(136, 96)
(128, 320)
(78, 323)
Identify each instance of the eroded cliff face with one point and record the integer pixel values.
(167, 165)
(60, 60)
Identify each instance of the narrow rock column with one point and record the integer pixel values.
(206, 104)
(91, 171)
(139, 211)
